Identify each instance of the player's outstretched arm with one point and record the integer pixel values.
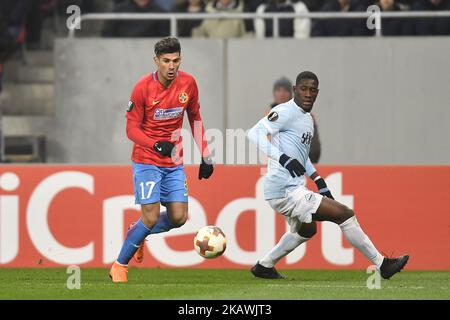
(165, 148)
(322, 187)
(269, 126)
(135, 134)
(318, 180)
(206, 168)
(258, 135)
(135, 116)
(294, 167)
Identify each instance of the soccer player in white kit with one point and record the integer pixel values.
(290, 127)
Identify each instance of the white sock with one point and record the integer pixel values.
(288, 242)
(356, 236)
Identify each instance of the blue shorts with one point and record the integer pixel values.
(159, 184)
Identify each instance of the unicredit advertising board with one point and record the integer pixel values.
(54, 216)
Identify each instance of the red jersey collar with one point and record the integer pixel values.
(155, 77)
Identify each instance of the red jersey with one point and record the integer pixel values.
(155, 113)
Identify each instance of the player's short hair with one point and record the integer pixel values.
(306, 75)
(167, 45)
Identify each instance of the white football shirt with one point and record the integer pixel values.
(291, 130)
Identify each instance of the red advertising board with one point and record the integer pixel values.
(58, 215)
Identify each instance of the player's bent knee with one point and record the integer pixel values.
(178, 218)
(346, 214)
(179, 221)
(149, 215)
(349, 213)
(149, 221)
(308, 230)
(179, 224)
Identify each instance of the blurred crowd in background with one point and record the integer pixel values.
(33, 24)
(23, 20)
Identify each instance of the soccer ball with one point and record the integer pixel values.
(210, 242)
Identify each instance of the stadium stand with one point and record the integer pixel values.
(27, 62)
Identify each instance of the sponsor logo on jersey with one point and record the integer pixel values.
(130, 106)
(183, 97)
(273, 116)
(155, 102)
(165, 114)
(307, 137)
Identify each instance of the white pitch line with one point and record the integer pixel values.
(268, 285)
(344, 287)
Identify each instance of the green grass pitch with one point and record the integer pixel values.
(192, 284)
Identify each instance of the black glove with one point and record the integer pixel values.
(292, 165)
(322, 187)
(206, 168)
(164, 148)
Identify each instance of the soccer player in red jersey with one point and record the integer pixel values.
(154, 121)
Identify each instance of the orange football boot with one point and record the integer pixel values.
(139, 254)
(118, 272)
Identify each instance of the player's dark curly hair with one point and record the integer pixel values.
(167, 45)
(307, 75)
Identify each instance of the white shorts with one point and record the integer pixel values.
(297, 207)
